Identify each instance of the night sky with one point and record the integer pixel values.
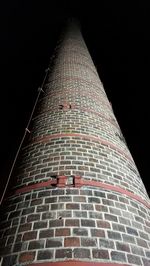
(117, 36)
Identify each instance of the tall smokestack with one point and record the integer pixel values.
(78, 198)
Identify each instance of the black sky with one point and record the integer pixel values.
(117, 35)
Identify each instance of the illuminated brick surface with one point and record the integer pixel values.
(75, 133)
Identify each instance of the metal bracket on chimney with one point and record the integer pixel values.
(69, 181)
(40, 89)
(27, 130)
(65, 106)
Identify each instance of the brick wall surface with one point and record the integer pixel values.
(75, 133)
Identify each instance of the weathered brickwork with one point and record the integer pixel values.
(79, 155)
(75, 133)
(75, 223)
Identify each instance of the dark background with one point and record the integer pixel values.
(117, 35)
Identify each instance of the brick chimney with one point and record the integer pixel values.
(78, 199)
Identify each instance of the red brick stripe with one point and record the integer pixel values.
(35, 186)
(80, 79)
(80, 109)
(99, 114)
(76, 64)
(114, 188)
(95, 96)
(87, 137)
(76, 263)
(82, 182)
